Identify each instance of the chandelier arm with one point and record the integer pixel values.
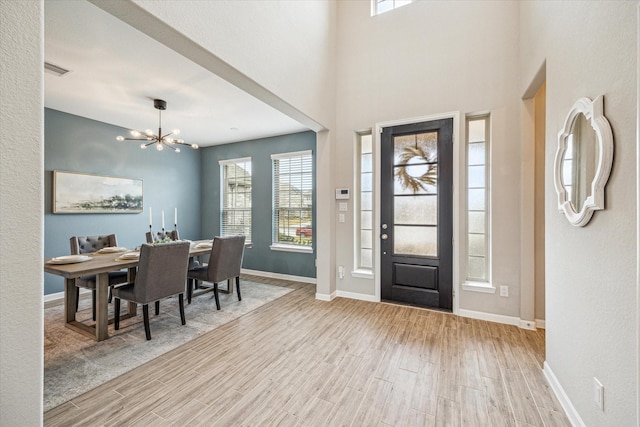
(170, 146)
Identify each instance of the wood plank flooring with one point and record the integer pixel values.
(302, 362)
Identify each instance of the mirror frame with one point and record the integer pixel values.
(594, 113)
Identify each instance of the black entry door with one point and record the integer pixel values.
(416, 232)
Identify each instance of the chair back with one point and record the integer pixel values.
(225, 261)
(172, 234)
(162, 271)
(86, 244)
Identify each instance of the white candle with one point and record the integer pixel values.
(175, 217)
(163, 220)
(150, 217)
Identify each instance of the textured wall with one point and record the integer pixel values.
(21, 204)
(590, 49)
(259, 257)
(170, 180)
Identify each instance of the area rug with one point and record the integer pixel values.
(75, 364)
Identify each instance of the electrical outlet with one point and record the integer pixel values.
(504, 291)
(341, 217)
(598, 393)
(341, 271)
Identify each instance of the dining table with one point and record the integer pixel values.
(100, 264)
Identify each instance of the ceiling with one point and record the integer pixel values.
(117, 71)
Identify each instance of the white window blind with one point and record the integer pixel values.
(293, 198)
(235, 191)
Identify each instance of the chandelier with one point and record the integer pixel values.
(161, 140)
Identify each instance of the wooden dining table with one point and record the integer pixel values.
(100, 265)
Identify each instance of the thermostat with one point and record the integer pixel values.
(342, 193)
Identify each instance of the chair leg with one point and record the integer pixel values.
(93, 304)
(181, 303)
(77, 297)
(110, 294)
(189, 290)
(238, 288)
(215, 294)
(157, 307)
(145, 315)
(116, 314)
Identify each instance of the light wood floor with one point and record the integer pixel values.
(299, 361)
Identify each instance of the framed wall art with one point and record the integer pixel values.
(75, 192)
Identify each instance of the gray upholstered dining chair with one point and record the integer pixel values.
(160, 235)
(87, 244)
(162, 271)
(225, 263)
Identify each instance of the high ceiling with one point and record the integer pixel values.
(117, 71)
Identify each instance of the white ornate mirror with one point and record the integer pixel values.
(583, 161)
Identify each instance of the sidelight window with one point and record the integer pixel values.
(478, 238)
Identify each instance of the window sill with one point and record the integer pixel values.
(291, 248)
(363, 274)
(483, 287)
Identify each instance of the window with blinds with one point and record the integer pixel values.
(293, 198)
(235, 191)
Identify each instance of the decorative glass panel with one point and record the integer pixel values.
(414, 240)
(476, 222)
(476, 154)
(476, 131)
(366, 239)
(366, 258)
(367, 162)
(412, 149)
(476, 200)
(366, 201)
(418, 210)
(476, 244)
(476, 177)
(476, 268)
(366, 220)
(417, 179)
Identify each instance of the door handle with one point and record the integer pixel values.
(384, 236)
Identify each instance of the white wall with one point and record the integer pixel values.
(429, 58)
(281, 52)
(21, 207)
(591, 306)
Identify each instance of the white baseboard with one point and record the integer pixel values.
(540, 323)
(354, 295)
(527, 324)
(52, 300)
(498, 318)
(566, 404)
(270, 275)
(326, 297)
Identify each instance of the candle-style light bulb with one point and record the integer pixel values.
(120, 138)
(195, 146)
(159, 147)
(176, 131)
(135, 133)
(143, 146)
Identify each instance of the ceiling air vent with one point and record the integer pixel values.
(54, 69)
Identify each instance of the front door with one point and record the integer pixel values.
(416, 227)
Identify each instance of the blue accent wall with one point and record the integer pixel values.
(170, 180)
(189, 181)
(260, 256)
